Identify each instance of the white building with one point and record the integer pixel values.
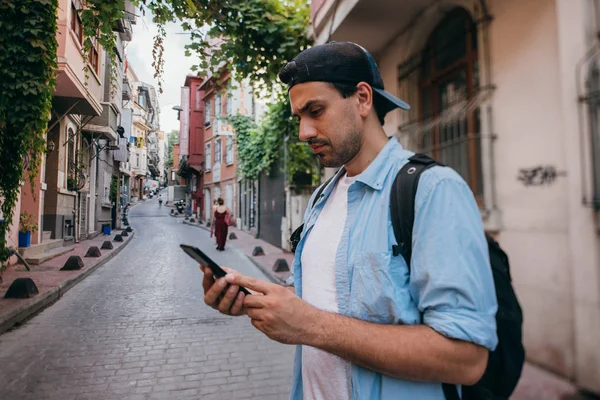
(505, 91)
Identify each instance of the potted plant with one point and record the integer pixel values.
(26, 226)
(71, 184)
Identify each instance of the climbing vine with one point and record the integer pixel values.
(261, 146)
(27, 78)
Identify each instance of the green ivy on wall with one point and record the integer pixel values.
(27, 78)
(261, 146)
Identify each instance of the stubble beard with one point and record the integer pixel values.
(348, 148)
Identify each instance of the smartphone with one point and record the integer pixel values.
(206, 261)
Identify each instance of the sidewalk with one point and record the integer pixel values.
(246, 243)
(536, 383)
(51, 282)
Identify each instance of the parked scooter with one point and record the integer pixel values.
(180, 205)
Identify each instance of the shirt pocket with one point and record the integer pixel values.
(379, 289)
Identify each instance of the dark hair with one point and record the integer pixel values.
(220, 201)
(348, 89)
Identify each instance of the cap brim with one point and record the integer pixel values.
(392, 102)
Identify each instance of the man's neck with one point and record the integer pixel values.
(373, 143)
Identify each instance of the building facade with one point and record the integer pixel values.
(191, 143)
(503, 91)
(220, 174)
(76, 100)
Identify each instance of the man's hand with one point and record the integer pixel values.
(278, 313)
(220, 295)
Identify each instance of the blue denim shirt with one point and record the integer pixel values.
(449, 288)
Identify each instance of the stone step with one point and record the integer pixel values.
(48, 255)
(46, 236)
(36, 249)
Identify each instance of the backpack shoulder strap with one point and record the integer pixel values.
(321, 190)
(402, 202)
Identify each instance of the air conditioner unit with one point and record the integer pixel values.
(113, 145)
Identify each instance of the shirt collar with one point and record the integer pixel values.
(376, 172)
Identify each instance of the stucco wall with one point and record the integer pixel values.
(550, 236)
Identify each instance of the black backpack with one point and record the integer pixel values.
(505, 363)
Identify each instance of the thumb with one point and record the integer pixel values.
(249, 283)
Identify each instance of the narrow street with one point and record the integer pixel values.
(138, 328)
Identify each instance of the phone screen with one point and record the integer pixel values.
(206, 261)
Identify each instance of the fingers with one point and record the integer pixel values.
(228, 298)
(238, 306)
(254, 301)
(208, 279)
(250, 283)
(211, 296)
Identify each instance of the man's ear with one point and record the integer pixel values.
(364, 94)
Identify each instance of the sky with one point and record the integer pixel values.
(177, 65)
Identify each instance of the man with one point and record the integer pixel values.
(365, 326)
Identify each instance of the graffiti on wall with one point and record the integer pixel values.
(539, 175)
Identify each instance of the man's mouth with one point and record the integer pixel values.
(317, 148)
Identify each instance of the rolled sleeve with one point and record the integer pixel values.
(451, 278)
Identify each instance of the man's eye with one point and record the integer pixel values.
(316, 112)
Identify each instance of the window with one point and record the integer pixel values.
(218, 151)
(448, 80)
(229, 97)
(198, 97)
(218, 105)
(76, 23)
(229, 197)
(207, 113)
(70, 158)
(106, 191)
(93, 57)
(229, 150)
(137, 160)
(593, 104)
(208, 156)
(142, 99)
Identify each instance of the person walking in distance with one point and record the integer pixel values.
(222, 215)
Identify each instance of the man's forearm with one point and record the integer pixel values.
(409, 352)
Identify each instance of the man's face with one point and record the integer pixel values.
(329, 123)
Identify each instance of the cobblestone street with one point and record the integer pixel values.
(138, 328)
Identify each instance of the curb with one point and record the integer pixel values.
(36, 305)
(196, 225)
(265, 270)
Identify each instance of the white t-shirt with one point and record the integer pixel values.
(324, 376)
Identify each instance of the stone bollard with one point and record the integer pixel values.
(258, 251)
(72, 264)
(118, 238)
(281, 265)
(232, 236)
(124, 233)
(107, 245)
(21, 288)
(93, 251)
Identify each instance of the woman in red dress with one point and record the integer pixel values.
(221, 224)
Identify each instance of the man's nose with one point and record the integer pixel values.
(307, 130)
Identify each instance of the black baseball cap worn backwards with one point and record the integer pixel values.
(339, 62)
